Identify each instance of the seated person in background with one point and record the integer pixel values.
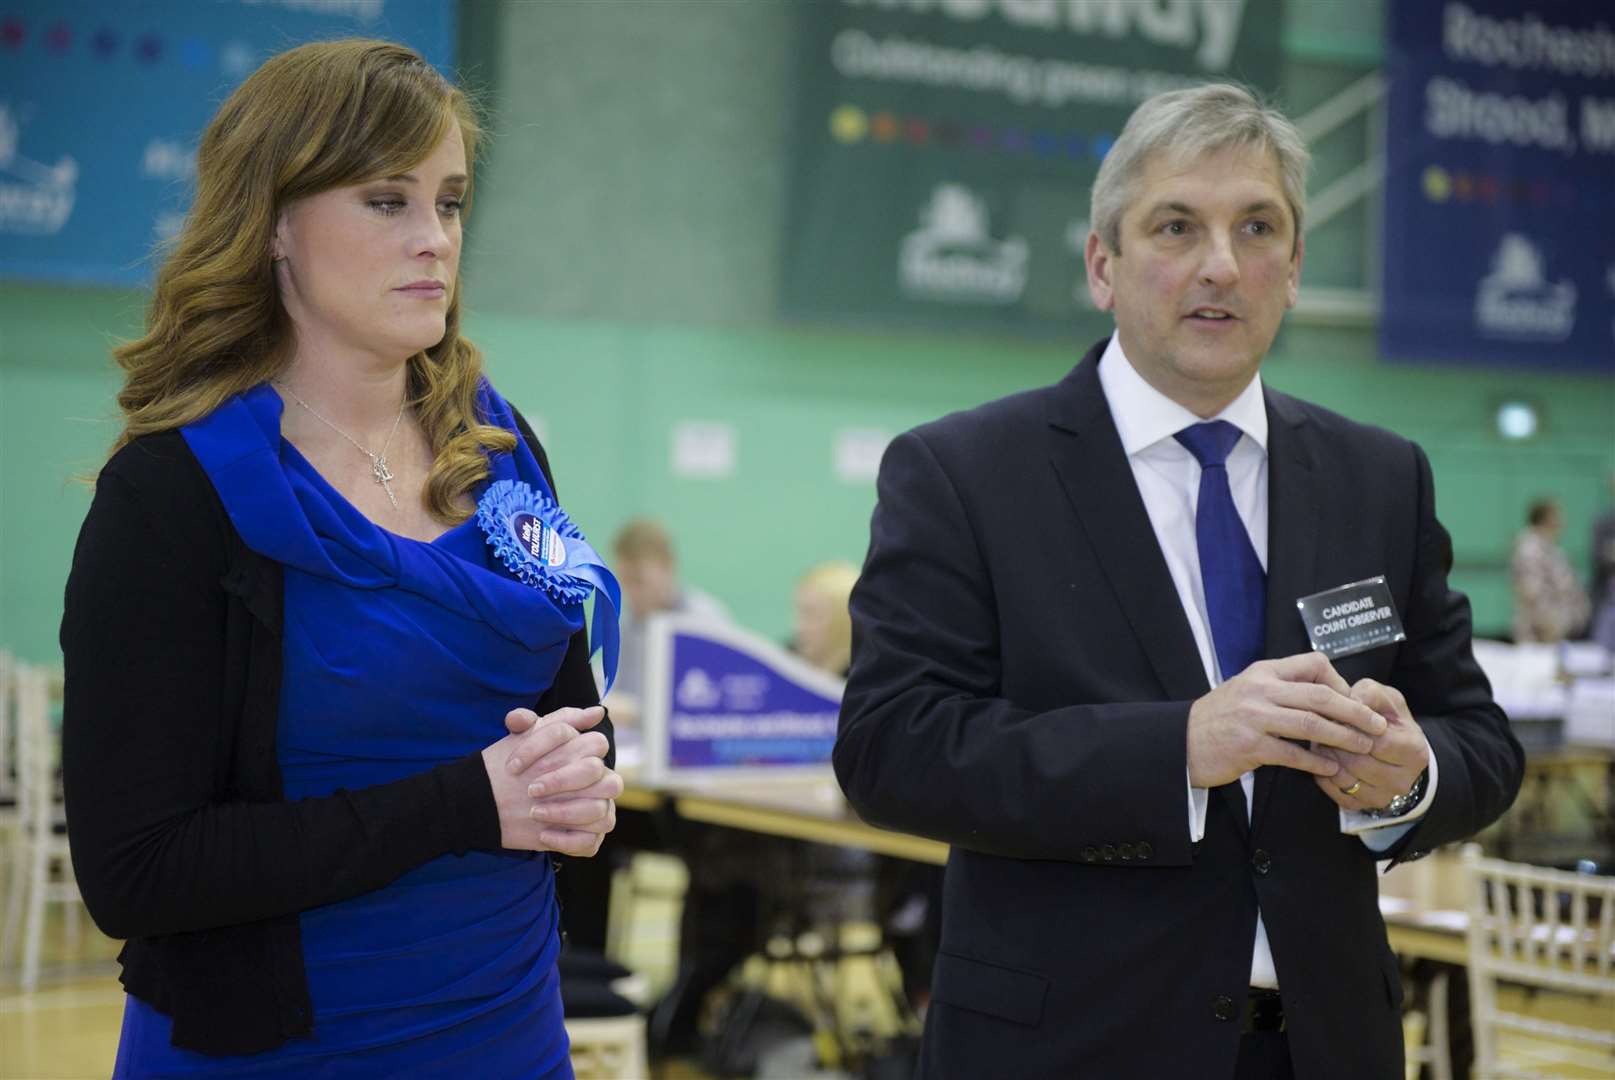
(908, 895)
(823, 629)
(1602, 629)
(745, 887)
(646, 567)
(1549, 605)
(831, 885)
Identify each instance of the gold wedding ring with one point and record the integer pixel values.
(1355, 784)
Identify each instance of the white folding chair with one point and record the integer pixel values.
(1429, 1044)
(608, 1047)
(8, 738)
(642, 921)
(41, 844)
(642, 934)
(1551, 930)
(13, 861)
(10, 816)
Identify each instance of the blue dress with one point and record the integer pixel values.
(398, 656)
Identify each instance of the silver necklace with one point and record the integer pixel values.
(378, 462)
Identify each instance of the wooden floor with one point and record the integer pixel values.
(68, 1028)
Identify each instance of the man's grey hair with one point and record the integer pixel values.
(1186, 125)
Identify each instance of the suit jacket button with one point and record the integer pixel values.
(1126, 852)
(1262, 861)
(1143, 850)
(1222, 1007)
(1089, 854)
(1108, 853)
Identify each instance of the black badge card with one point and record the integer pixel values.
(1352, 619)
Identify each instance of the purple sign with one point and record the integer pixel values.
(731, 708)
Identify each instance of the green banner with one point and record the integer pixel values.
(943, 149)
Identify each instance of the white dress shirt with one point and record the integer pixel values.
(1168, 478)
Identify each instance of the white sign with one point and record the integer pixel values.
(704, 449)
(953, 257)
(35, 199)
(857, 453)
(1517, 301)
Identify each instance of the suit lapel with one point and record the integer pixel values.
(1292, 550)
(1093, 469)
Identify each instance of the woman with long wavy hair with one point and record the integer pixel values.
(329, 700)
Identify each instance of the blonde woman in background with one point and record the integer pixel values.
(908, 895)
(329, 707)
(823, 629)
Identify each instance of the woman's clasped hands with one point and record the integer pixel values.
(550, 782)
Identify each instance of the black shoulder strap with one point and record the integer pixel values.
(536, 447)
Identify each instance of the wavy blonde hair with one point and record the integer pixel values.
(316, 117)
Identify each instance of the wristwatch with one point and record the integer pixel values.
(1401, 804)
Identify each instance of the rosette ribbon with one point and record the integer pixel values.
(539, 544)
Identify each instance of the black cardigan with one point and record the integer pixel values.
(181, 839)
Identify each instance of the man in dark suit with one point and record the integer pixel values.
(1078, 660)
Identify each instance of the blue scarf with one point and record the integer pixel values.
(531, 594)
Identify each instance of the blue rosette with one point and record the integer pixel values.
(541, 547)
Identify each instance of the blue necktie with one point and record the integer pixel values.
(1235, 584)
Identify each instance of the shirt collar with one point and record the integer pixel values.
(1144, 416)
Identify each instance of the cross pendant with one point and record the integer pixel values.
(384, 477)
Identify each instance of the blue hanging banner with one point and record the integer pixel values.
(722, 701)
(102, 103)
(1500, 185)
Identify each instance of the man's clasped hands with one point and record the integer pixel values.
(1359, 741)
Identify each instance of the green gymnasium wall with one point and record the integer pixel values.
(622, 266)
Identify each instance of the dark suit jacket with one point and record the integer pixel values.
(1021, 681)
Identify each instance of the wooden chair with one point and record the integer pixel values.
(1546, 929)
